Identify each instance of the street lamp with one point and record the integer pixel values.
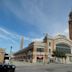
(10, 49)
(10, 53)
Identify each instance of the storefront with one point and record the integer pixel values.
(39, 58)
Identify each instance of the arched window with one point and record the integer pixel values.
(63, 48)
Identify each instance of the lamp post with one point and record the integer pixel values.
(10, 49)
(10, 54)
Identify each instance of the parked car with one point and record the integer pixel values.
(6, 66)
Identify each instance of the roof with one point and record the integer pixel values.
(20, 51)
(48, 37)
(61, 36)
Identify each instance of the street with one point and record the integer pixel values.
(45, 68)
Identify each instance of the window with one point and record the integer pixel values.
(70, 58)
(63, 48)
(40, 49)
(49, 44)
(49, 50)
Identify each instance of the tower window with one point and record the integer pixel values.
(49, 50)
(40, 49)
(49, 44)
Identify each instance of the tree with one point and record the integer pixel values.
(59, 54)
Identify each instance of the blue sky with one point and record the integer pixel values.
(31, 18)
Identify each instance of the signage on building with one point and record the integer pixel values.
(40, 56)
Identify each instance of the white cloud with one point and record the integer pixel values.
(38, 39)
(28, 11)
(4, 31)
(7, 35)
(6, 38)
(66, 32)
(34, 12)
(10, 38)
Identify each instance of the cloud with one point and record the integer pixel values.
(13, 37)
(38, 39)
(6, 35)
(66, 32)
(30, 12)
(4, 31)
(37, 13)
(8, 38)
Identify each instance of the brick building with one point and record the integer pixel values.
(2, 52)
(41, 51)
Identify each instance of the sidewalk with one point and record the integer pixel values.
(19, 63)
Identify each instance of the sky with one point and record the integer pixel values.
(31, 19)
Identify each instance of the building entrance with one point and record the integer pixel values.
(39, 59)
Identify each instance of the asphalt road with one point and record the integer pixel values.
(45, 68)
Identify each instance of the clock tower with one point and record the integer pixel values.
(70, 25)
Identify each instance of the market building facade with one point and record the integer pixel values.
(42, 51)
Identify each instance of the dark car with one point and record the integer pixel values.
(7, 68)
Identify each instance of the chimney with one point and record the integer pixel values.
(22, 42)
